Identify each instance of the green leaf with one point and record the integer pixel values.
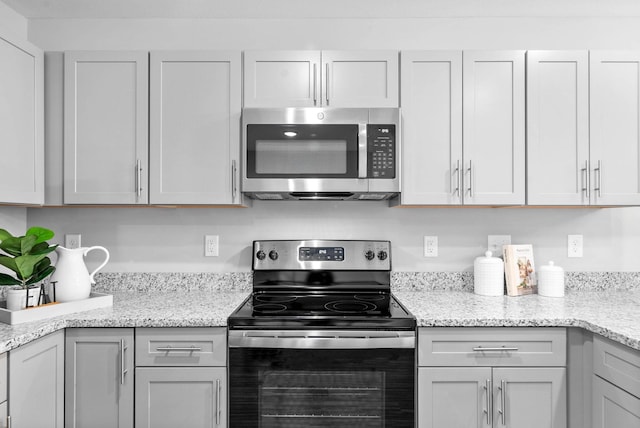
(42, 234)
(9, 262)
(41, 265)
(42, 248)
(12, 245)
(37, 277)
(27, 243)
(26, 264)
(4, 235)
(8, 280)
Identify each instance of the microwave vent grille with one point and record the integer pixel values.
(269, 196)
(372, 196)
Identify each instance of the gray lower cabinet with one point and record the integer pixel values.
(613, 407)
(99, 377)
(36, 383)
(192, 397)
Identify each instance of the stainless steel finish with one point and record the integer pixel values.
(123, 370)
(456, 172)
(138, 179)
(585, 179)
(494, 349)
(354, 258)
(321, 339)
(488, 387)
(470, 188)
(218, 402)
(598, 179)
(9, 421)
(326, 89)
(170, 349)
(503, 401)
(362, 150)
(234, 184)
(315, 84)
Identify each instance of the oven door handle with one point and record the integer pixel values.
(314, 339)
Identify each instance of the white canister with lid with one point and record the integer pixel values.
(551, 280)
(488, 275)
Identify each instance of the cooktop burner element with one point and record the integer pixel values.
(328, 284)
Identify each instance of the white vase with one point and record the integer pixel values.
(73, 280)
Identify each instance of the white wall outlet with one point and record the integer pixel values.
(72, 240)
(211, 245)
(574, 245)
(495, 243)
(431, 246)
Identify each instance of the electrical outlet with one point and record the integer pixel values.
(574, 245)
(495, 243)
(72, 240)
(431, 246)
(211, 245)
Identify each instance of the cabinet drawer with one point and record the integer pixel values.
(181, 346)
(475, 346)
(617, 363)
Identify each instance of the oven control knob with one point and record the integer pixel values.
(369, 255)
(273, 255)
(382, 255)
(261, 255)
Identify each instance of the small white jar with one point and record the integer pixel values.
(551, 281)
(488, 275)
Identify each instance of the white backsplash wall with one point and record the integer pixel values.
(172, 240)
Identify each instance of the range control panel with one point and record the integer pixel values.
(321, 254)
(381, 151)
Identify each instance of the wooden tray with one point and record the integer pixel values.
(95, 301)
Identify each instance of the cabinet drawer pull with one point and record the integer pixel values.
(234, 171)
(123, 369)
(326, 89)
(598, 171)
(489, 388)
(585, 180)
(503, 401)
(456, 172)
(502, 348)
(218, 404)
(169, 349)
(470, 188)
(138, 180)
(315, 84)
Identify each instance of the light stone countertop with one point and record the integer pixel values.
(613, 314)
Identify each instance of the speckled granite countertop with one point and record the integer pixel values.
(613, 314)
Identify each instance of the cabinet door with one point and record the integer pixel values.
(21, 123)
(106, 128)
(494, 131)
(360, 78)
(615, 127)
(614, 407)
(431, 127)
(99, 378)
(530, 397)
(281, 78)
(557, 127)
(36, 383)
(194, 127)
(181, 397)
(454, 397)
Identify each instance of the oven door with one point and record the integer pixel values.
(321, 379)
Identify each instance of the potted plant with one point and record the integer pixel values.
(27, 257)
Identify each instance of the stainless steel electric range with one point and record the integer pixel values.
(321, 341)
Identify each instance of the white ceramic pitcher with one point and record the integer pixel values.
(73, 279)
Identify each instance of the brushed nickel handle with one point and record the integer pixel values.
(489, 411)
(123, 370)
(326, 89)
(456, 172)
(494, 349)
(138, 179)
(9, 421)
(585, 179)
(234, 170)
(470, 188)
(598, 179)
(503, 401)
(218, 398)
(315, 84)
(183, 349)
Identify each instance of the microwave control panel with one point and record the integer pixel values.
(381, 151)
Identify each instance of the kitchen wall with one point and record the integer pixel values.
(163, 239)
(12, 25)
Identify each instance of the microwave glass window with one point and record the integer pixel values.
(301, 156)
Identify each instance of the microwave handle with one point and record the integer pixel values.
(362, 150)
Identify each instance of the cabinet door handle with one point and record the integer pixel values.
(326, 89)
(218, 400)
(315, 84)
(585, 179)
(9, 421)
(138, 180)
(170, 348)
(123, 370)
(598, 179)
(234, 170)
(489, 388)
(494, 349)
(470, 188)
(503, 401)
(456, 172)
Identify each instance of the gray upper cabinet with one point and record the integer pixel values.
(99, 377)
(494, 127)
(36, 383)
(558, 128)
(21, 122)
(432, 127)
(194, 127)
(106, 128)
(615, 120)
(327, 78)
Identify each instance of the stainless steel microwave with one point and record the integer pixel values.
(320, 153)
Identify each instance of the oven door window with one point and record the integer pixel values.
(302, 151)
(321, 388)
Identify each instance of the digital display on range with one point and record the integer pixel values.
(313, 254)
